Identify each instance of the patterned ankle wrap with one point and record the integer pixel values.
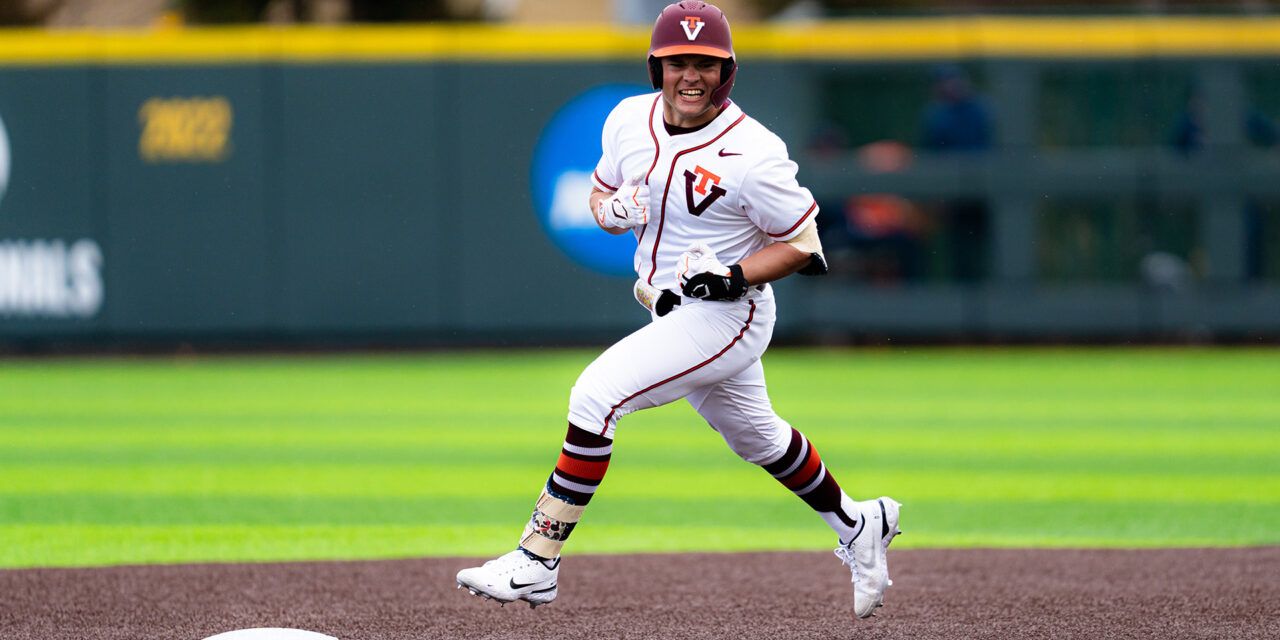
(552, 521)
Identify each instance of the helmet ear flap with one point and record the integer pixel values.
(655, 72)
(720, 95)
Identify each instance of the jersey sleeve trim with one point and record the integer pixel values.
(604, 186)
(797, 225)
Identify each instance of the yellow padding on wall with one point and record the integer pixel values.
(890, 39)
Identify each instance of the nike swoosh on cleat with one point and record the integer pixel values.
(726, 154)
(517, 585)
(884, 520)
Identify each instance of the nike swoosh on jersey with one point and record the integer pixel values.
(726, 154)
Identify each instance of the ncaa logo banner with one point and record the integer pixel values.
(4, 159)
(45, 278)
(560, 179)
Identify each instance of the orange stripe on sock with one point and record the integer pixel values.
(581, 468)
(805, 474)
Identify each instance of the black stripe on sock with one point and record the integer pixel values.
(575, 456)
(580, 437)
(788, 458)
(578, 479)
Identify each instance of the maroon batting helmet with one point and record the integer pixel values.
(693, 27)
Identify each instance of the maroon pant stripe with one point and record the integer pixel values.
(747, 325)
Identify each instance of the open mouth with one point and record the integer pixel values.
(692, 93)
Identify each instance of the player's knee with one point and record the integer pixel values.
(761, 443)
(581, 403)
(588, 411)
(759, 452)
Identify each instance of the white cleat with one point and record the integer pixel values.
(513, 576)
(866, 554)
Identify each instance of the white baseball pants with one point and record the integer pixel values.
(708, 352)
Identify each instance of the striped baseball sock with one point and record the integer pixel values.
(802, 471)
(581, 467)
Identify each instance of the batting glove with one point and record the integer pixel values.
(625, 209)
(702, 276)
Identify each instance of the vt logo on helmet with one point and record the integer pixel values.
(697, 28)
(693, 25)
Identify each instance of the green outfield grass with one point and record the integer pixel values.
(121, 461)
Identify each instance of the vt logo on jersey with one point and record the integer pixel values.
(701, 188)
(692, 25)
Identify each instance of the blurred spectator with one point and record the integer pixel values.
(27, 13)
(887, 231)
(1164, 271)
(328, 11)
(1189, 129)
(829, 143)
(1189, 139)
(957, 119)
(885, 156)
(875, 237)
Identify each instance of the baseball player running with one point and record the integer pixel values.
(712, 199)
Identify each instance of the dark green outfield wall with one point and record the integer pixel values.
(390, 202)
(345, 199)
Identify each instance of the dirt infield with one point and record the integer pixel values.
(1166, 593)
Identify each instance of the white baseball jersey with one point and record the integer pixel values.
(729, 184)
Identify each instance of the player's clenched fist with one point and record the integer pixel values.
(625, 209)
(702, 276)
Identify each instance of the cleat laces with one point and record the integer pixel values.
(846, 556)
(507, 563)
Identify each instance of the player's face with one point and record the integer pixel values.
(687, 83)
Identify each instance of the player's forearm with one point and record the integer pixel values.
(596, 196)
(773, 262)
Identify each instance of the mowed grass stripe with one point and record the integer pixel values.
(422, 379)
(992, 447)
(916, 432)
(486, 481)
(1072, 445)
(17, 462)
(51, 545)
(65, 545)
(97, 545)
(1236, 521)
